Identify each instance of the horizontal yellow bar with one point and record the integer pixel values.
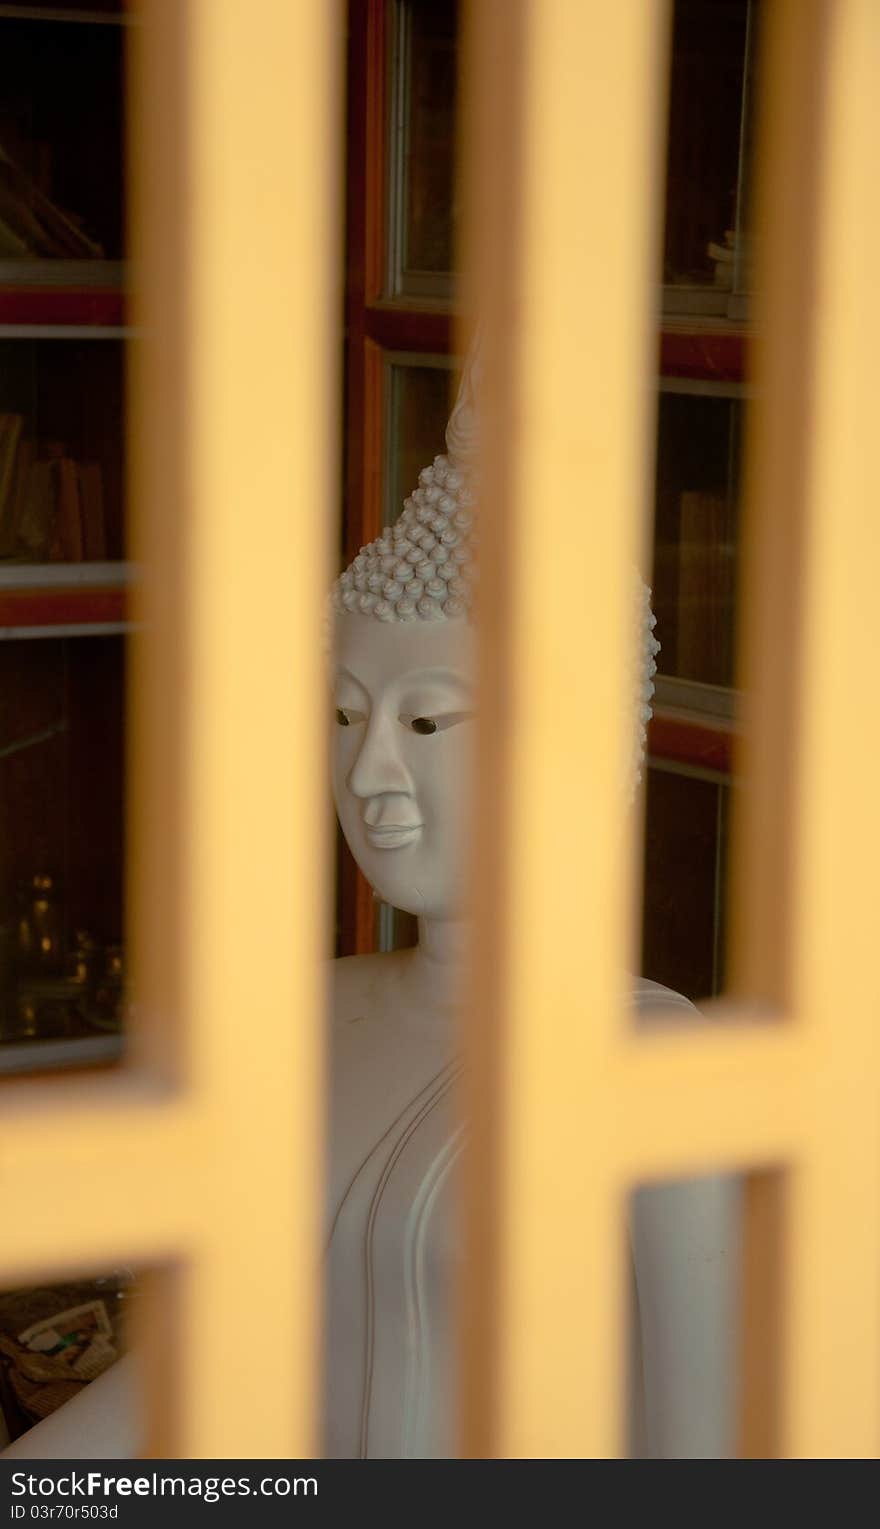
(85, 1182)
(733, 1092)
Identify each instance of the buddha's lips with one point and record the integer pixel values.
(392, 835)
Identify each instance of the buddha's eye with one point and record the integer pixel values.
(427, 725)
(346, 716)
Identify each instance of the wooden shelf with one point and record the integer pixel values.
(56, 599)
(705, 348)
(102, 13)
(87, 294)
(711, 350)
(400, 326)
(51, 1055)
(697, 744)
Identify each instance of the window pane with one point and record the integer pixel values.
(62, 967)
(423, 200)
(705, 116)
(684, 914)
(61, 451)
(61, 130)
(63, 576)
(708, 151)
(695, 551)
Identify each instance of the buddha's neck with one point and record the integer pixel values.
(439, 959)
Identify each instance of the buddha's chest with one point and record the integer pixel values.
(392, 1263)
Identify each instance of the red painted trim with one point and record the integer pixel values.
(61, 607)
(397, 328)
(692, 743)
(62, 305)
(698, 354)
(703, 355)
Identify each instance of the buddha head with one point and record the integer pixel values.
(404, 660)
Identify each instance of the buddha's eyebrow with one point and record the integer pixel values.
(343, 673)
(444, 676)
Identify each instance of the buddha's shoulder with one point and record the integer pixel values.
(373, 971)
(376, 1055)
(360, 986)
(652, 1000)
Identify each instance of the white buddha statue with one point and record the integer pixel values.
(403, 666)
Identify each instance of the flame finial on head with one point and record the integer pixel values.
(463, 430)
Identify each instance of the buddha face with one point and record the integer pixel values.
(401, 753)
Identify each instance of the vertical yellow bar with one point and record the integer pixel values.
(564, 117)
(789, 157)
(833, 1327)
(237, 235)
(807, 896)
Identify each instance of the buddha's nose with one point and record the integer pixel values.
(379, 767)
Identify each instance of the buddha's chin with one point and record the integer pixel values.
(400, 877)
(394, 886)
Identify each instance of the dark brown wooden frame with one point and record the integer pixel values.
(374, 325)
(707, 349)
